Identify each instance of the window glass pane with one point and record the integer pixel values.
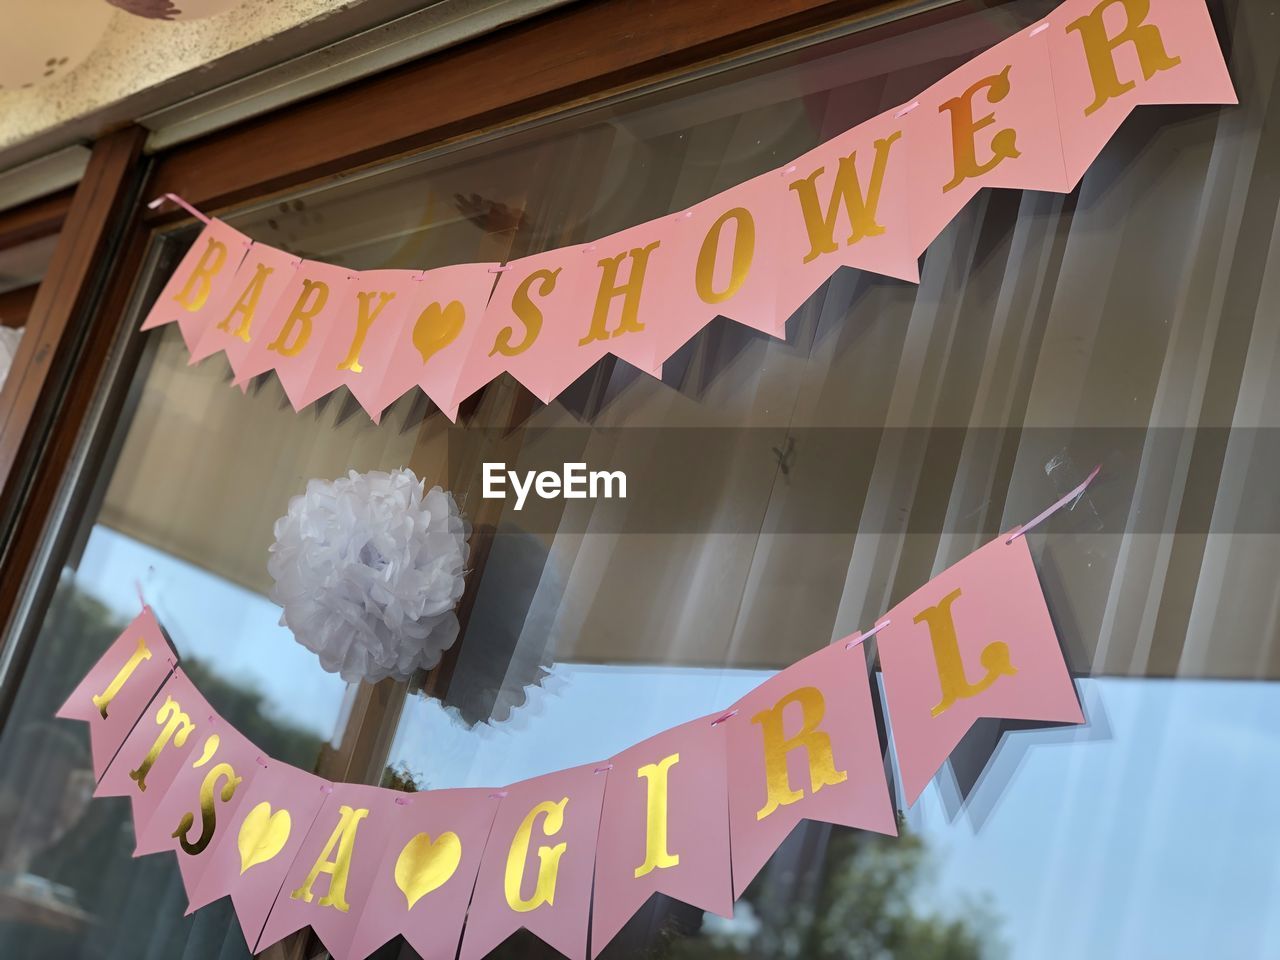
(811, 484)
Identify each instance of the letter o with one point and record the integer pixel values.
(744, 249)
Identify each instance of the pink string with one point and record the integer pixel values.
(1038, 29)
(402, 801)
(605, 769)
(1044, 515)
(868, 635)
(723, 717)
(502, 269)
(262, 763)
(175, 199)
(791, 168)
(497, 794)
(907, 109)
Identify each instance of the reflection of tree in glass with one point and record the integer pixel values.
(80, 853)
(398, 776)
(831, 893)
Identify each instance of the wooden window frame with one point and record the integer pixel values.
(559, 60)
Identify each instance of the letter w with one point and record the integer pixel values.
(847, 194)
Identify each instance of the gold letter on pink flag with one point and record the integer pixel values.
(846, 204)
(291, 340)
(329, 882)
(537, 867)
(665, 827)
(197, 808)
(990, 123)
(1110, 56)
(804, 746)
(113, 696)
(249, 858)
(155, 751)
(975, 641)
(539, 311)
(238, 315)
(199, 281)
(724, 260)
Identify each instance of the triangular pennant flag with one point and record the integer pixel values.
(664, 828)
(112, 697)
(975, 641)
(804, 746)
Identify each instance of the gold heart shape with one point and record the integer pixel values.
(263, 834)
(437, 327)
(425, 864)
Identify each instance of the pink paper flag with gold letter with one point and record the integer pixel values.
(245, 304)
(1110, 56)
(199, 281)
(201, 801)
(249, 859)
(723, 261)
(846, 204)
(664, 828)
(537, 867)
(975, 641)
(368, 316)
(989, 123)
(432, 338)
(804, 746)
(329, 882)
(156, 751)
(291, 339)
(427, 871)
(112, 698)
(538, 313)
(629, 274)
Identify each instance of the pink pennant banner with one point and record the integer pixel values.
(240, 307)
(249, 859)
(975, 641)
(155, 751)
(427, 872)
(198, 281)
(804, 746)
(202, 800)
(664, 828)
(1109, 56)
(332, 874)
(537, 867)
(1030, 113)
(693, 813)
(118, 689)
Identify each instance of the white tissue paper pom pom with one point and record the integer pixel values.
(368, 570)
